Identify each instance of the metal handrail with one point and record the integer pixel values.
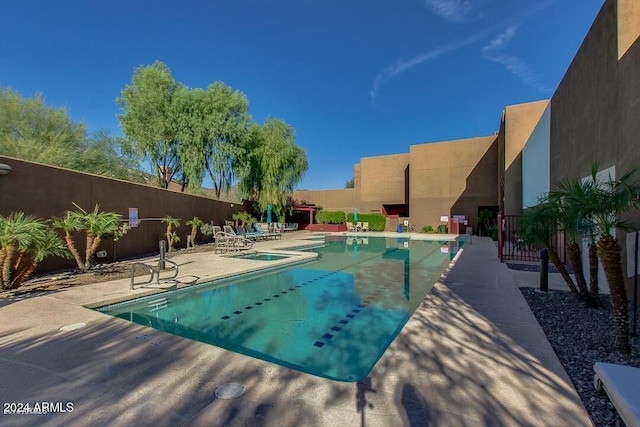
(152, 272)
(167, 278)
(133, 272)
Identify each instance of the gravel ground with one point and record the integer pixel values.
(580, 337)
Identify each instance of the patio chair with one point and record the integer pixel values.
(246, 233)
(231, 242)
(262, 233)
(365, 226)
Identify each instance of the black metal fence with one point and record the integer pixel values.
(511, 247)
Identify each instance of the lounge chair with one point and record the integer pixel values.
(262, 233)
(291, 226)
(622, 384)
(365, 226)
(350, 226)
(358, 226)
(246, 233)
(231, 242)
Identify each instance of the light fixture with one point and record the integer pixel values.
(5, 169)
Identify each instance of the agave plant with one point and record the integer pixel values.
(24, 242)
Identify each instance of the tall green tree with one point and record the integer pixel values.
(212, 127)
(273, 165)
(148, 121)
(31, 130)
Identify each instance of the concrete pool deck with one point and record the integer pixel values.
(471, 355)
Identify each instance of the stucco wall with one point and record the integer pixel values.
(46, 191)
(344, 199)
(519, 122)
(535, 162)
(452, 178)
(382, 180)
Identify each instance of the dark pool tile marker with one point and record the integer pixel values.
(225, 317)
(360, 305)
(336, 328)
(276, 296)
(258, 303)
(351, 316)
(283, 292)
(292, 289)
(318, 344)
(344, 322)
(298, 286)
(267, 299)
(327, 336)
(248, 307)
(356, 310)
(237, 312)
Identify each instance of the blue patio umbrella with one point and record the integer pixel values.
(355, 215)
(268, 214)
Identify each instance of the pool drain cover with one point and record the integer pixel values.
(230, 391)
(73, 327)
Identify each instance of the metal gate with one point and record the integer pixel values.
(511, 247)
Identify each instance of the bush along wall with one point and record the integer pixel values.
(330, 217)
(377, 222)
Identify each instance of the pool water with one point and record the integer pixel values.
(263, 257)
(333, 317)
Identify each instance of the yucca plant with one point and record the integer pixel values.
(172, 236)
(24, 242)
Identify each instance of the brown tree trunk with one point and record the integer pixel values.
(609, 253)
(555, 260)
(194, 232)
(94, 247)
(575, 256)
(74, 251)
(7, 266)
(87, 252)
(593, 272)
(23, 275)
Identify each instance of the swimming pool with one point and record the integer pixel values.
(333, 317)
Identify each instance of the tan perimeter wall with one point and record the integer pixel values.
(596, 109)
(519, 122)
(330, 200)
(46, 191)
(382, 180)
(452, 178)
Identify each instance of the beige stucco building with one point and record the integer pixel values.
(594, 115)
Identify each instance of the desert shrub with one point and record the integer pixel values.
(428, 229)
(442, 228)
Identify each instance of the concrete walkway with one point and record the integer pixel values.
(472, 355)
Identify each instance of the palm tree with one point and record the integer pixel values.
(613, 198)
(70, 222)
(24, 242)
(573, 200)
(537, 226)
(97, 226)
(172, 236)
(195, 223)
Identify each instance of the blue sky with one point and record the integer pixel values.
(354, 78)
